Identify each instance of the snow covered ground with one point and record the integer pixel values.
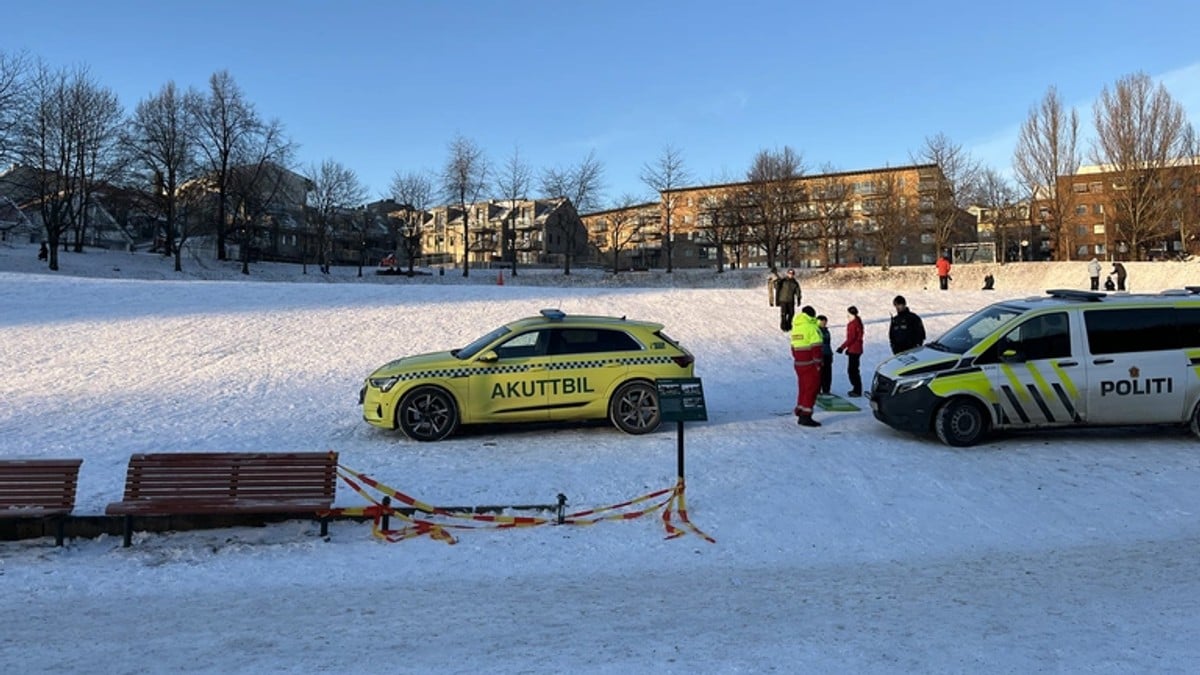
(848, 548)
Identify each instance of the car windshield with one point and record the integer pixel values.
(479, 343)
(976, 327)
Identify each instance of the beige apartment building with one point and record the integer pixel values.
(533, 231)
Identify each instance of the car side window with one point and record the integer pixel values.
(1187, 322)
(1142, 329)
(1042, 337)
(591, 341)
(524, 345)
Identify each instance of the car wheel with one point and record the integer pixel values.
(634, 408)
(960, 423)
(427, 414)
(1195, 423)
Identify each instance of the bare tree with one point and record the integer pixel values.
(512, 185)
(722, 221)
(98, 117)
(14, 69)
(1188, 214)
(622, 226)
(951, 195)
(259, 184)
(336, 191)
(774, 193)
(1046, 149)
(46, 147)
(414, 191)
(665, 175)
(893, 218)
(582, 185)
(464, 178)
(226, 122)
(1140, 139)
(999, 197)
(160, 140)
(832, 198)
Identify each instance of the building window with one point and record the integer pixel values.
(1082, 250)
(1097, 209)
(1081, 210)
(1081, 230)
(1098, 229)
(1098, 249)
(1079, 187)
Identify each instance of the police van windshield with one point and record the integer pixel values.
(976, 327)
(479, 343)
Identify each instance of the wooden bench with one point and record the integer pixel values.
(39, 488)
(228, 483)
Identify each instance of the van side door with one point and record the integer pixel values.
(1036, 373)
(1137, 372)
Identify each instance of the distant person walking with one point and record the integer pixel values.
(787, 298)
(43, 252)
(826, 354)
(1094, 273)
(1119, 270)
(906, 330)
(772, 285)
(852, 346)
(806, 359)
(943, 270)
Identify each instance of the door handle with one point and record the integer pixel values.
(1102, 362)
(1067, 364)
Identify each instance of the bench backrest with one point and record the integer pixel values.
(39, 483)
(209, 476)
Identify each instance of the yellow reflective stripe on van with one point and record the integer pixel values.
(1041, 381)
(1014, 383)
(1066, 380)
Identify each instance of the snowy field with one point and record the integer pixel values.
(848, 548)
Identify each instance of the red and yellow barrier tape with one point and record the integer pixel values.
(416, 526)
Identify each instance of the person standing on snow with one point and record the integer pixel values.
(1094, 273)
(826, 354)
(772, 285)
(943, 270)
(853, 348)
(907, 330)
(806, 359)
(1119, 270)
(787, 298)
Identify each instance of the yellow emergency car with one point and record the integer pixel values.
(1067, 359)
(552, 367)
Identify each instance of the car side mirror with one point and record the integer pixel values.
(489, 357)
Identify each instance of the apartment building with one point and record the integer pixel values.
(1148, 214)
(882, 216)
(530, 231)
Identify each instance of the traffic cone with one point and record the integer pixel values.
(500, 279)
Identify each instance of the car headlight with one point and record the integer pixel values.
(909, 385)
(383, 384)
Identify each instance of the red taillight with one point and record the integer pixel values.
(684, 361)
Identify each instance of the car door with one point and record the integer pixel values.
(1137, 371)
(507, 384)
(585, 364)
(1037, 378)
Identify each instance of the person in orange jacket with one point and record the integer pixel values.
(943, 269)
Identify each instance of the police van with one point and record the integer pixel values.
(1067, 359)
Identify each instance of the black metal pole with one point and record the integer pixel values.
(679, 449)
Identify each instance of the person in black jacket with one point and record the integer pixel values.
(907, 330)
(787, 299)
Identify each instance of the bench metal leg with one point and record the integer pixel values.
(128, 531)
(324, 527)
(60, 526)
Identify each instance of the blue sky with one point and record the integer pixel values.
(385, 86)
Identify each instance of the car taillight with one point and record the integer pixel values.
(684, 361)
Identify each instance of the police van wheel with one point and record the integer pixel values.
(960, 423)
(1195, 424)
(634, 408)
(427, 414)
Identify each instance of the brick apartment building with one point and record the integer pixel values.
(883, 216)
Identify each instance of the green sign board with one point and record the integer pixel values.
(681, 399)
